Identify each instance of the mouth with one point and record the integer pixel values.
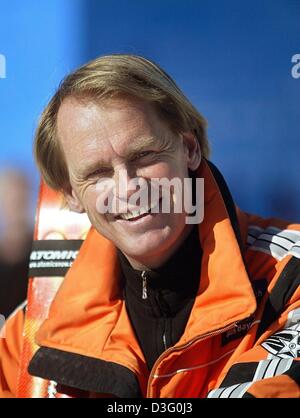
(133, 216)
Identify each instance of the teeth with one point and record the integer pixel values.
(135, 214)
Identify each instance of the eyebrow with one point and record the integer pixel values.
(137, 146)
(85, 171)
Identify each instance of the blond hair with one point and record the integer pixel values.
(106, 77)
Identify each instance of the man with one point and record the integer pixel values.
(156, 305)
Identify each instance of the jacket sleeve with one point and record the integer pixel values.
(271, 369)
(10, 353)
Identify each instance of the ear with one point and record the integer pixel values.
(192, 150)
(73, 202)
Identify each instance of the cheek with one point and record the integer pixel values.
(88, 196)
(92, 199)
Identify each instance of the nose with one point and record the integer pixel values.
(131, 191)
(115, 193)
(125, 182)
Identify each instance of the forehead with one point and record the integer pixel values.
(87, 127)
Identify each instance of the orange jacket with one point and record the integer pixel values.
(242, 338)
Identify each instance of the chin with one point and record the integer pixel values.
(150, 244)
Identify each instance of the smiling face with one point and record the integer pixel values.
(125, 135)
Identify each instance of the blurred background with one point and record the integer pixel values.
(232, 59)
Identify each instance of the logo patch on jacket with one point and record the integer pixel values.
(239, 331)
(285, 343)
(259, 287)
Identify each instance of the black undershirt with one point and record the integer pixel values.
(159, 321)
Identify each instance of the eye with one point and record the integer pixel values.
(143, 155)
(100, 172)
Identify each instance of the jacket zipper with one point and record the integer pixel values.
(172, 349)
(145, 296)
(144, 285)
(163, 315)
(165, 341)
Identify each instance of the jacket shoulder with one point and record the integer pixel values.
(274, 237)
